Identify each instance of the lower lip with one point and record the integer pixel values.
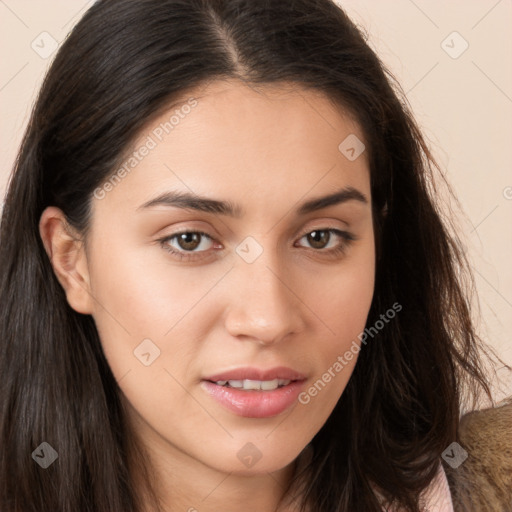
(252, 403)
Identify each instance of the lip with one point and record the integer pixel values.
(251, 373)
(255, 403)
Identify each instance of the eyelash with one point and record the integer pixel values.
(347, 239)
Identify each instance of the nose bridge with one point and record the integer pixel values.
(264, 307)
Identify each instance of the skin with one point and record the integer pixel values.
(269, 150)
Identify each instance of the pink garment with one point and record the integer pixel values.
(436, 498)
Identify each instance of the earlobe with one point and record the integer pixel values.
(67, 257)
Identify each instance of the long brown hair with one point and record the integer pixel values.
(124, 62)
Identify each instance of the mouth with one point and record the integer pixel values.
(254, 393)
(253, 385)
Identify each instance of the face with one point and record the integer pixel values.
(262, 288)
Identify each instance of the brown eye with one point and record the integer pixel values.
(318, 239)
(185, 245)
(188, 241)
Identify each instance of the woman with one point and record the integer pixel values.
(226, 282)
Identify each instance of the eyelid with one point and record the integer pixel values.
(323, 227)
(328, 226)
(181, 254)
(185, 231)
(300, 234)
(346, 237)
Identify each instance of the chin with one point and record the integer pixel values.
(251, 459)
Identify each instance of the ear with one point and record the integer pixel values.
(68, 258)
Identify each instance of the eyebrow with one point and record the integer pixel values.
(191, 201)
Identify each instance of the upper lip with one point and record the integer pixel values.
(250, 373)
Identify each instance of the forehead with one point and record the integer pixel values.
(229, 139)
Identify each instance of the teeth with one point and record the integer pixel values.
(256, 384)
(247, 384)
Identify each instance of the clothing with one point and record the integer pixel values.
(437, 496)
(483, 482)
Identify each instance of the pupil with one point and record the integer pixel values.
(318, 237)
(186, 242)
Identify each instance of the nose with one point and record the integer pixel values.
(264, 304)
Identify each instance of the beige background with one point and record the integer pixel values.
(462, 100)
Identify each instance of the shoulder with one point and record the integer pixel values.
(483, 481)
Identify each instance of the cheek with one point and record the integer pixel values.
(342, 302)
(143, 292)
(140, 296)
(342, 298)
